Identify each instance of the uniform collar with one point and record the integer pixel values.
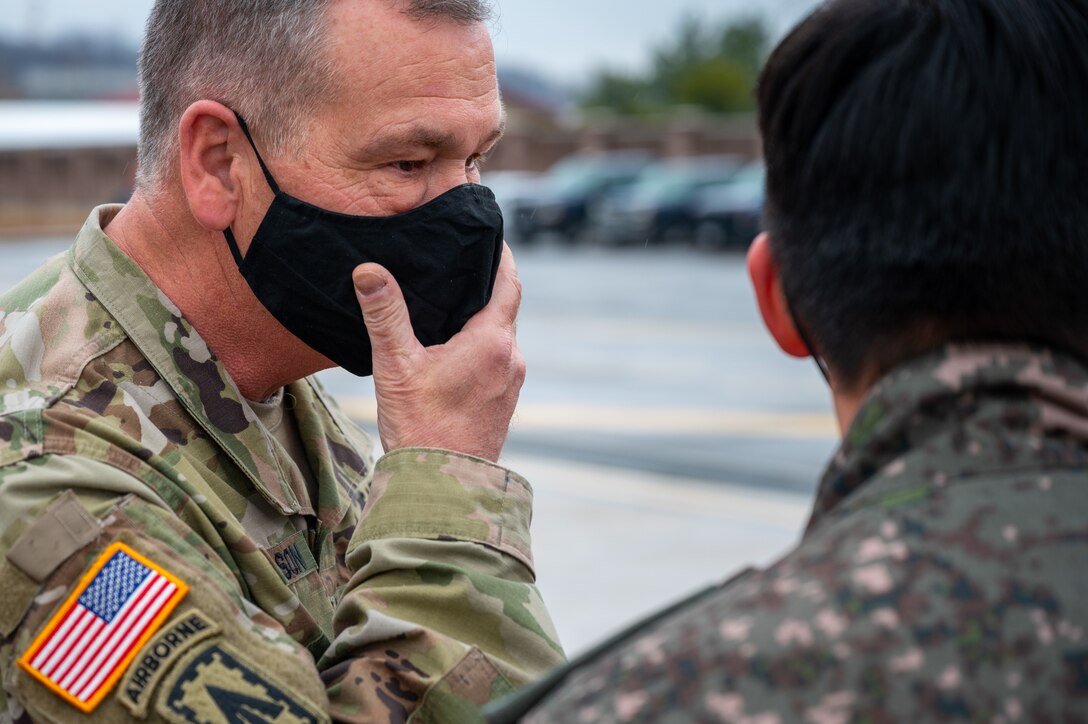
(958, 413)
(199, 381)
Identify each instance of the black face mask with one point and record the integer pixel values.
(444, 255)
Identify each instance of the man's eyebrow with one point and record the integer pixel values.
(421, 136)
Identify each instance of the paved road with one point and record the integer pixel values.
(668, 441)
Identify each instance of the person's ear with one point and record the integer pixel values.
(763, 271)
(208, 134)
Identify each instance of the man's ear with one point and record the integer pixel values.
(763, 271)
(208, 175)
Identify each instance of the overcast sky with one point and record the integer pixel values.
(563, 39)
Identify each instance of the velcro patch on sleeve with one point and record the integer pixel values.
(62, 529)
(92, 638)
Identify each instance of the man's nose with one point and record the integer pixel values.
(448, 178)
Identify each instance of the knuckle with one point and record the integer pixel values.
(498, 353)
(515, 282)
(518, 366)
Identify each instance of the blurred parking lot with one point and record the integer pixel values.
(631, 198)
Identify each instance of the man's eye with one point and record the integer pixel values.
(408, 166)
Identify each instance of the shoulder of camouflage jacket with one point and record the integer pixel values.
(278, 670)
(80, 398)
(50, 327)
(961, 411)
(940, 606)
(948, 585)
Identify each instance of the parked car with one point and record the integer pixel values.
(659, 207)
(512, 189)
(729, 215)
(568, 193)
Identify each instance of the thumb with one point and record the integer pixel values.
(384, 312)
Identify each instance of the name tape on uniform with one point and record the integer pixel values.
(292, 558)
(92, 638)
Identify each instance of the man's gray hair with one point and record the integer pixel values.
(266, 59)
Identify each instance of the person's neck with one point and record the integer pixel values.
(846, 408)
(193, 267)
(848, 399)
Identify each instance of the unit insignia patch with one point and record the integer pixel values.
(218, 686)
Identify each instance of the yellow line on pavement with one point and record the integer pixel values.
(647, 420)
(606, 485)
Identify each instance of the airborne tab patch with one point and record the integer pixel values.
(92, 638)
(180, 635)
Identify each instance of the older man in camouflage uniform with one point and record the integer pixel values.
(927, 166)
(158, 428)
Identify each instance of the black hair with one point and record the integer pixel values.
(927, 175)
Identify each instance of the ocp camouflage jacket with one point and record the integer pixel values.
(405, 589)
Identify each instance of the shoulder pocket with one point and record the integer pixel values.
(145, 609)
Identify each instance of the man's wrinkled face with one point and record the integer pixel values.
(416, 108)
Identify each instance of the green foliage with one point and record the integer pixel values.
(715, 85)
(713, 68)
(623, 94)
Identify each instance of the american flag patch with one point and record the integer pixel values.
(87, 645)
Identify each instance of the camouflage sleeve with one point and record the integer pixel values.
(189, 647)
(441, 614)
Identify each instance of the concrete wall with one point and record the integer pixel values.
(52, 190)
(534, 146)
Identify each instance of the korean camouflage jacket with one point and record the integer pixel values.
(943, 575)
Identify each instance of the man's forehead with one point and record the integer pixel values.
(378, 42)
(380, 57)
(405, 83)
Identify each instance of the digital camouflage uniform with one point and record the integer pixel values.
(943, 575)
(405, 589)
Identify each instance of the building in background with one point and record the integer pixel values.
(68, 127)
(544, 126)
(69, 124)
(60, 158)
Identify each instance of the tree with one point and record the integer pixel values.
(716, 85)
(714, 68)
